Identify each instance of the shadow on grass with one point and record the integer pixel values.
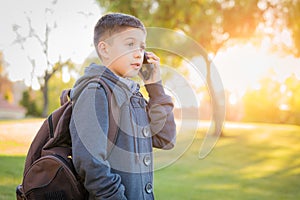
(258, 163)
(261, 163)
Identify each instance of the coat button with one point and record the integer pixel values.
(149, 188)
(147, 160)
(146, 131)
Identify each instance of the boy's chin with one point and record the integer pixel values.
(132, 74)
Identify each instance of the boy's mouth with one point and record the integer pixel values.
(136, 65)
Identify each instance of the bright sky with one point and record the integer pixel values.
(71, 39)
(239, 66)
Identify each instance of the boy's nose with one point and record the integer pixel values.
(139, 53)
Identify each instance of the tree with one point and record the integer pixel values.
(45, 87)
(210, 23)
(273, 101)
(30, 102)
(42, 39)
(290, 100)
(263, 104)
(215, 23)
(56, 85)
(292, 12)
(5, 83)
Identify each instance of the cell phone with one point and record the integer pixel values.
(147, 68)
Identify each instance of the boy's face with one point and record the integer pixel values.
(125, 52)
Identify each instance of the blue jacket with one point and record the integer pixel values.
(127, 171)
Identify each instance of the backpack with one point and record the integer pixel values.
(49, 173)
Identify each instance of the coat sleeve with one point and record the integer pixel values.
(160, 112)
(89, 128)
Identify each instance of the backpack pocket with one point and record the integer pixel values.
(51, 178)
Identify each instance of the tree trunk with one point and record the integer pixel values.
(216, 109)
(45, 98)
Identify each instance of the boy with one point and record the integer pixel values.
(127, 171)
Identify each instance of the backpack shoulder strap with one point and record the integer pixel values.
(114, 116)
(44, 134)
(65, 96)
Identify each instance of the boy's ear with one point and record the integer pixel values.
(102, 48)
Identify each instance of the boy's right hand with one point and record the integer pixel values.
(155, 75)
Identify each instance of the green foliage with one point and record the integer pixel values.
(290, 97)
(291, 9)
(210, 23)
(30, 102)
(140, 9)
(273, 102)
(92, 58)
(56, 86)
(5, 83)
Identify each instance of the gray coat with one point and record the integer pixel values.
(127, 171)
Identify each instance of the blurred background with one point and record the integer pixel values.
(253, 44)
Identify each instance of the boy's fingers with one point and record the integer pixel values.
(152, 56)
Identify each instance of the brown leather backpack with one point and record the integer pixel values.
(49, 173)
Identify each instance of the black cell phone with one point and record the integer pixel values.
(147, 68)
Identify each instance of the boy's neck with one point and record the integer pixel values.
(132, 85)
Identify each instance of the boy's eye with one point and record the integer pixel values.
(131, 44)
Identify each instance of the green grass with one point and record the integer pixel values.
(11, 170)
(253, 162)
(261, 162)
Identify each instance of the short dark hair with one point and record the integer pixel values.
(112, 23)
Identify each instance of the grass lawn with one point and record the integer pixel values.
(252, 162)
(11, 170)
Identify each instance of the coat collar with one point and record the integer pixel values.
(122, 88)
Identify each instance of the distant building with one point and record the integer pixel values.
(10, 111)
(18, 88)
